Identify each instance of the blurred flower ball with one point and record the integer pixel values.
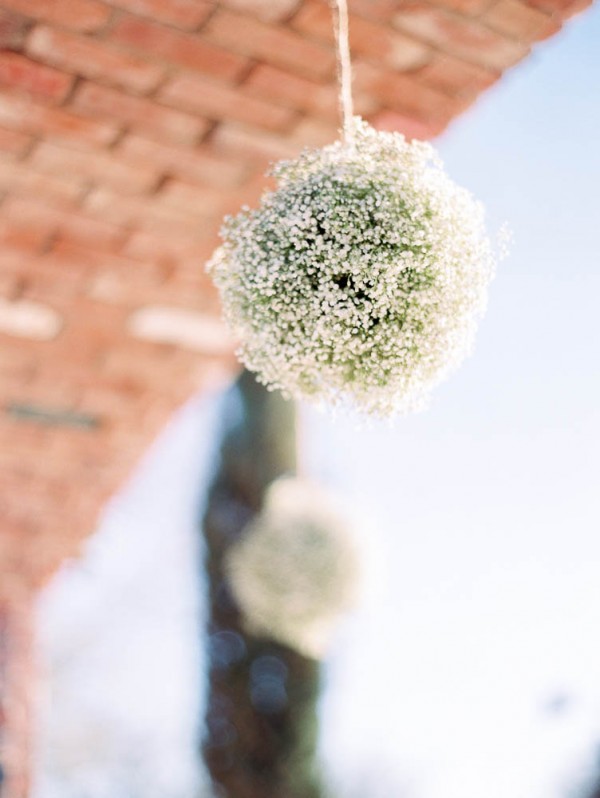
(295, 569)
(359, 280)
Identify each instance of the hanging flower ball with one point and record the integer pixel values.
(359, 281)
(295, 569)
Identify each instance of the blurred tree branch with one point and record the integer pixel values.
(261, 712)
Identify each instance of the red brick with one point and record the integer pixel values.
(109, 400)
(562, 8)
(101, 167)
(218, 102)
(266, 10)
(369, 39)
(405, 95)
(117, 287)
(52, 280)
(188, 51)
(24, 236)
(106, 276)
(99, 261)
(148, 365)
(293, 91)
(242, 141)
(12, 30)
(315, 133)
(14, 143)
(274, 44)
(458, 77)
(68, 225)
(19, 72)
(254, 189)
(93, 59)
(460, 37)
(189, 197)
(10, 288)
(133, 289)
(410, 127)
(374, 9)
(79, 15)
(18, 114)
(201, 165)
(19, 361)
(364, 102)
(468, 8)
(148, 213)
(12, 258)
(19, 178)
(89, 317)
(185, 14)
(164, 123)
(171, 251)
(59, 277)
(521, 21)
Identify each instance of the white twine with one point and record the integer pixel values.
(344, 67)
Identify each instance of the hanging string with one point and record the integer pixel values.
(340, 10)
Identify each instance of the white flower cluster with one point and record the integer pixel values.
(295, 569)
(360, 280)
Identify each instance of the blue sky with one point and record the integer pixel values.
(482, 516)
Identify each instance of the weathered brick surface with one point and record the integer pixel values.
(464, 38)
(27, 76)
(408, 95)
(292, 91)
(200, 163)
(412, 128)
(79, 15)
(144, 213)
(265, 10)
(20, 114)
(373, 40)
(17, 671)
(74, 225)
(94, 59)
(14, 143)
(105, 167)
(167, 124)
(127, 129)
(185, 50)
(184, 14)
(216, 102)
(13, 29)
(562, 8)
(232, 140)
(456, 77)
(24, 180)
(274, 44)
(521, 21)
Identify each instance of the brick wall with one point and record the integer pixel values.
(127, 129)
(16, 696)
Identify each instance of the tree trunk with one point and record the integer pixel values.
(261, 714)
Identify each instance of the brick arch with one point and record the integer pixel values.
(127, 129)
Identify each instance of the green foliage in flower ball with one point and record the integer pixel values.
(359, 281)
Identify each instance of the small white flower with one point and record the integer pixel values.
(360, 280)
(295, 569)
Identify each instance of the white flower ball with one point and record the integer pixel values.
(360, 280)
(295, 569)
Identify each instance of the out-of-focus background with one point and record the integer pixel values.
(471, 665)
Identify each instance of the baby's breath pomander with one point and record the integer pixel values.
(359, 280)
(296, 570)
